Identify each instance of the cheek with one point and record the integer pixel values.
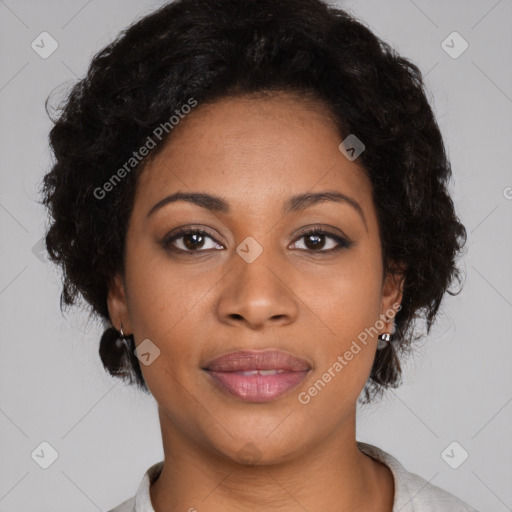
(159, 294)
(166, 305)
(343, 309)
(345, 298)
(344, 353)
(160, 304)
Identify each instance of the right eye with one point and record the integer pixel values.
(191, 240)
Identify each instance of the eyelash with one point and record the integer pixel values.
(343, 243)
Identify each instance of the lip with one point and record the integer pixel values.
(257, 376)
(246, 360)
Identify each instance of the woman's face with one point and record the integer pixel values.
(254, 281)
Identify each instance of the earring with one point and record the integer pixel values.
(384, 340)
(121, 340)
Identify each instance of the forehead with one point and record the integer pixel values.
(253, 152)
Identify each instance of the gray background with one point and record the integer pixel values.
(456, 388)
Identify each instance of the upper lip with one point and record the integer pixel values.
(246, 360)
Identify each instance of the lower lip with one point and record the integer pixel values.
(257, 388)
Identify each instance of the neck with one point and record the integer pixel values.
(333, 475)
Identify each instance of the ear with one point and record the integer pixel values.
(392, 294)
(117, 306)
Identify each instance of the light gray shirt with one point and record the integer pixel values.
(412, 492)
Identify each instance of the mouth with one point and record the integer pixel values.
(257, 376)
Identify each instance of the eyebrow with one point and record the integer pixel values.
(294, 204)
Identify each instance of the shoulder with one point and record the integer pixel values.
(422, 496)
(141, 502)
(412, 492)
(126, 506)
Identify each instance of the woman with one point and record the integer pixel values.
(253, 196)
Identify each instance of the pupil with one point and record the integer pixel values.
(318, 238)
(195, 236)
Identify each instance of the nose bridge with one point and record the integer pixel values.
(256, 264)
(255, 290)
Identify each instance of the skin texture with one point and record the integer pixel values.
(256, 153)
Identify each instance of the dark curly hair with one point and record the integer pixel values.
(212, 49)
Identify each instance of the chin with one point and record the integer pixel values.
(250, 450)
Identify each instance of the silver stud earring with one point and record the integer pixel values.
(121, 340)
(384, 340)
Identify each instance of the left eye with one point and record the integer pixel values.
(315, 241)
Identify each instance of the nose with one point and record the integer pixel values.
(259, 294)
